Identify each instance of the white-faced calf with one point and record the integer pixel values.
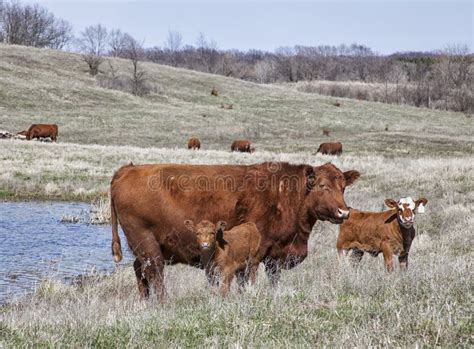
(230, 252)
(390, 232)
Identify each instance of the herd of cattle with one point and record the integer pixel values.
(245, 214)
(243, 145)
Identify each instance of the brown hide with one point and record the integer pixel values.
(194, 143)
(330, 148)
(376, 232)
(43, 131)
(241, 145)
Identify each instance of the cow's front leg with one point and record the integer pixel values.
(273, 270)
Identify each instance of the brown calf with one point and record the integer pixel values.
(326, 132)
(194, 143)
(230, 252)
(214, 92)
(43, 131)
(241, 145)
(330, 148)
(390, 232)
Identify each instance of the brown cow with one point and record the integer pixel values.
(336, 104)
(194, 143)
(42, 131)
(285, 201)
(388, 232)
(230, 252)
(241, 145)
(214, 92)
(330, 148)
(326, 132)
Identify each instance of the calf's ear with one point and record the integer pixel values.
(220, 226)
(189, 225)
(351, 176)
(391, 203)
(420, 205)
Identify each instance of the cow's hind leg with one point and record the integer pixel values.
(152, 261)
(143, 286)
(273, 270)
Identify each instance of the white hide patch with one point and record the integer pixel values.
(408, 200)
(421, 208)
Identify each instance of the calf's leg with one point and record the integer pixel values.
(403, 261)
(387, 256)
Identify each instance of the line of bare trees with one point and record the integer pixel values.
(442, 80)
(32, 25)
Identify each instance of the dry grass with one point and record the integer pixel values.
(424, 153)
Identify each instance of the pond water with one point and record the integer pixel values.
(35, 245)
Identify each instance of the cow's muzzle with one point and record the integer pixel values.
(342, 214)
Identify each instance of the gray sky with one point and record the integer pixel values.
(385, 26)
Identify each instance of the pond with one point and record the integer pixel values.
(35, 245)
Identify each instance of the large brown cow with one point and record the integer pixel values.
(284, 201)
(194, 143)
(241, 145)
(330, 148)
(43, 131)
(390, 232)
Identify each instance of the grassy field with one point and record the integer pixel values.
(423, 153)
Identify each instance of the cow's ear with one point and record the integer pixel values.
(420, 205)
(220, 226)
(391, 203)
(310, 178)
(189, 225)
(351, 176)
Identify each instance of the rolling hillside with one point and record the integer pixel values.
(50, 86)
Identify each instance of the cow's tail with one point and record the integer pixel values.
(116, 248)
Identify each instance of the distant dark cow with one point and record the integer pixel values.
(326, 132)
(336, 104)
(390, 232)
(241, 145)
(194, 143)
(214, 92)
(330, 148)
(42, 131)
(151, 202)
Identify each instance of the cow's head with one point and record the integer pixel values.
(406, 208)
(207, 233)
(326, 186)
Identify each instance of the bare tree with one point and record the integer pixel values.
(136, 53)
(32, 25)
(173, 45)
(118, 42)
(93, 42)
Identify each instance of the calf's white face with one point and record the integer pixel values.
(406, 208)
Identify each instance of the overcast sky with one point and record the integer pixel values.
(385, 26)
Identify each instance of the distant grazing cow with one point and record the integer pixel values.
(194, 143)
(226, 253)
(214, 92)
(241, 145)
(43, 131)
(330, 148)
(336, 104)
(326, 132)
(227, 106)
(390, 232)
